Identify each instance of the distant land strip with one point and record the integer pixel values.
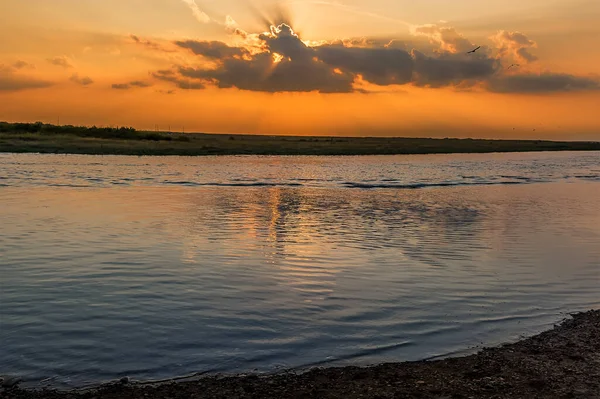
(46, 138)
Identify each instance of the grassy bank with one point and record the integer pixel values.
(43, 138)
(560, 363)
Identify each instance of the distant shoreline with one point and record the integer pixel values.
(51, 139)
(562, 362)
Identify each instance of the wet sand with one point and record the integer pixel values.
(561, 363)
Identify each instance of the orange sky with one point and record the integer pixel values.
(378, 67)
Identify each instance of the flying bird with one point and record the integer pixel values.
(474, 50)
(514, 65)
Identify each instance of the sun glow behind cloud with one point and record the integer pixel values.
(217, 74)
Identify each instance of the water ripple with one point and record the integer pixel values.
(390, 172)
(163, 267)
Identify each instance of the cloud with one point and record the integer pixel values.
(61, 61)
(229, 24)
(263, 73)
(446, 37)
(139, 83)
(451, 69)
(515, 45)
(381, 66)
(172, 77)
(542, 83)
(200, 15)
(232, 27)
(131, 85)
(11, 81)
(288, 65)
(214, 49)
(81, 80)
(150, 44)
(22, 64)
(279, 61)
(395, 43)
(285, 63)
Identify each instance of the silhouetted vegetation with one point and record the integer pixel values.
(45, 138)
(121, 133)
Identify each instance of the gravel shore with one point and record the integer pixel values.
(561, 363)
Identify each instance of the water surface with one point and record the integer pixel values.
(156, 267)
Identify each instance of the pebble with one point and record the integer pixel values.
(125, 380)
(9, 382)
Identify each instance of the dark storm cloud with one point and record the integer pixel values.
(284, 41)
(544, 83)
(381, 66)
(262, 73)
(451, 69)
(218, 50)
(289, 65)
(279, 61)
(286, 63)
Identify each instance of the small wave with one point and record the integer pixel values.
(69, 185)
(356, 355)
(258, 184)
(232, 184)
(523, 178)
(414, 186)
(181, 183)
(588, 177)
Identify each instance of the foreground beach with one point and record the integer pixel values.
(561, 363)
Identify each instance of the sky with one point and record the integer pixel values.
(307, 67)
